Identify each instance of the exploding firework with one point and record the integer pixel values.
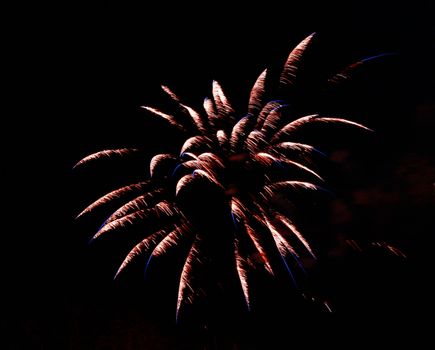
(230, 169)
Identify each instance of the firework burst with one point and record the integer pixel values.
(242, 160)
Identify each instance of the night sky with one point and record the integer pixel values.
(78, 76)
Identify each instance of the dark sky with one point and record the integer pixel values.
(78, 75)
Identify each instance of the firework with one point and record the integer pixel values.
(244, 160)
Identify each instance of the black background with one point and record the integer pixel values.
(78, 75)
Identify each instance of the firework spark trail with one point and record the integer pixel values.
(189, 154)
(170, 93)
(273, 119)
(138, 203)
(289, 185)
(238, 132)
(296, 124)
(296, 232)
(142, 248)
(346, 73)
(210, 163)
(265, 111)
(106, 154)
(291, 66)
(223, 106)
(222, 139)
(284, 248)
(242, 265)
(183, 182)
(159, 159)
(301, 151)
(208, 176)
(124, 221)
(236, 153)
(195, 142)
(196, 118)
(242, 268)
(237, 208)
(295, 146)
(171, 240)
(212, 159)
(185, 286)
(267, 159)
(257, 94)
(253, 235)
(254, 140)
(396, 251)
(282, 244)
(210, 111)
(114, 195)
(162, 208)
(165, 116)
(166, 208)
